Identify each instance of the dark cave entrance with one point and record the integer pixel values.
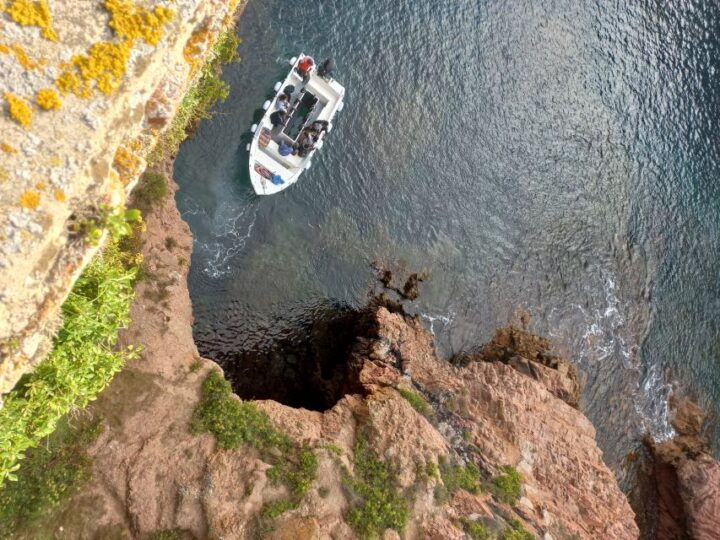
(310, 367)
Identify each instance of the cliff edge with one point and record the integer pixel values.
(415, 447)
(86, 88)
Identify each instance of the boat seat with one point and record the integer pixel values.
(265, 137)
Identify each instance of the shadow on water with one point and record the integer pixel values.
(305, 366)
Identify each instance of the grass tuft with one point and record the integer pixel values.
(150, 191)
(416, 401)
(516, 531)
(275, 509)
(171, 534)
(381, 506)
(234, 422)
(476, 530)
(507, 486)
(458, 477)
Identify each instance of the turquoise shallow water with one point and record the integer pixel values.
(559, 157)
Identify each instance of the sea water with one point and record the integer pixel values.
(555, 157)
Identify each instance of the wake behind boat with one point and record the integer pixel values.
(294, 125)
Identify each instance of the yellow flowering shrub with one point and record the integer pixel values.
(8, 149)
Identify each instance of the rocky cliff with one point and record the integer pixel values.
(86, 87)
(414, 446)
(686, 479)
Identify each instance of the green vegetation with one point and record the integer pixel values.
(83, 361)
(170, 243)
(298, 475)
(151, 190)
(417, 402)
(50, 475)
(234, 422)
(381, 506)
(458, 477)
(172, 534)
(196, 105)
(275, 509)
(117, 221)
(195, 366)
(476, 530)
(516, 531)
(507, 486)
(334, 449)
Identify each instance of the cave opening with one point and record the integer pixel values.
(309, 367)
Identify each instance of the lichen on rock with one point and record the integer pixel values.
(48, 99)
(33, 13)
(19, 109)
(131, 21)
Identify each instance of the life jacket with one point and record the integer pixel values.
(306, 64)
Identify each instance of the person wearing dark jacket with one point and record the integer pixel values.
(278, 118)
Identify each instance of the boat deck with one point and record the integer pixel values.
(312, 99)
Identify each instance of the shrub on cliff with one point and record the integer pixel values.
(461, 477)
(234, 422)
(208, 89)
(381, 506)
(83, 360)
(50, 475)
(507, 486)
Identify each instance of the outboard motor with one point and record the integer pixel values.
(326, 68)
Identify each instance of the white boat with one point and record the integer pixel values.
(313, 98)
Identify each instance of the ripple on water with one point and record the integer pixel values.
(555, 156)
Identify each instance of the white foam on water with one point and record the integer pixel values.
(604, 341)
(234, 226)
(444, 320)
(604, 327)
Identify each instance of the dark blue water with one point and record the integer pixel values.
(555, 157)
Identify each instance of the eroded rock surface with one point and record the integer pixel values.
(85, 87)
(687, 478)
(150, 474)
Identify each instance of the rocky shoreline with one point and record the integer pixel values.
(394, 441)
(499, 409)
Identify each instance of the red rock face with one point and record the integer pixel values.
(151, 474)
(687, 479)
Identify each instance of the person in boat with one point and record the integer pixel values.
(319, 126)
(306, 141)
(285, 149)
(278, 118)
(305, 66)
(282, 103)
